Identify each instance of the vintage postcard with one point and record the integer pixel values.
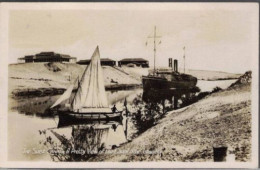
(129, 85)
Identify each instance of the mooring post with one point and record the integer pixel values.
(175, 102)
(126, 122)
(163, 105)
(126, 125)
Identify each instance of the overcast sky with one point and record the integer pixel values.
(218, 38)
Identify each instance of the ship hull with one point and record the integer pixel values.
(152, 82)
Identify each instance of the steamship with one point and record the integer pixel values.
(168, 78)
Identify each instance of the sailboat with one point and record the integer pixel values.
(90, 100)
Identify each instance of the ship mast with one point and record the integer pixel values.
(184, 58)
(154, 46)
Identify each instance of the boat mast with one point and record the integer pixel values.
(154, 46)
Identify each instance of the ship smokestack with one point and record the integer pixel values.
(175, 65)
(170, 62)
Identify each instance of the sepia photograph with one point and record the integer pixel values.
(129, 85)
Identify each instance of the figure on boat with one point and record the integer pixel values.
(90, 100)
(114, 109)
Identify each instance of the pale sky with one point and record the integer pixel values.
(215, 38)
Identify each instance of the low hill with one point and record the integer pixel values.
(189, 134)
(58, 75)
(212, 75)
(244, 79)
(138, 72)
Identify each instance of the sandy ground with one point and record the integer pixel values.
(189, 134)
(200, 74)
(212, 75)
(38, 75)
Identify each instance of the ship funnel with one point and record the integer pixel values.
(175, 65)
(170, 62)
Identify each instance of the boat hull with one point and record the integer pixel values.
(75, 116)
(67, 119)
(150, 82)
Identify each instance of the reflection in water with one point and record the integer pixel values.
(66, 142)
(174, 96)
(34, 106)
(39, 106)
(80, 142)
(36, 109)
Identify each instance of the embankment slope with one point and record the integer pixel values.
(57, 75)
(189, 134)
(212, 75)
(200, 74)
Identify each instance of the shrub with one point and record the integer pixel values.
(216, 89)
(146, 114)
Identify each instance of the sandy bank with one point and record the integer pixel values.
(188, 134)
(200, 74)
(60, 75)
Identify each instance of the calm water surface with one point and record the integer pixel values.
(29, 126)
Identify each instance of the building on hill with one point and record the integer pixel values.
(47, 57)
(132, 62)
(104, 62)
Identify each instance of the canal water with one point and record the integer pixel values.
(34, 135)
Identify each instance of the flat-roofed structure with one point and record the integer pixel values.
(131, 62)
(47, 57)
(104, 62)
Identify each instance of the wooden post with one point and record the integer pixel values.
(163, 105)
(175, 102)
(126, 123)
(126, 111)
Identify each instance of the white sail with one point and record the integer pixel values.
(91, 96)
(66, 95)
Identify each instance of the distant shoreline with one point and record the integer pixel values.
(40, 92)
(43, 78)
(219, 79)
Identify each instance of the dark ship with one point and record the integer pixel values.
(168, 78)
